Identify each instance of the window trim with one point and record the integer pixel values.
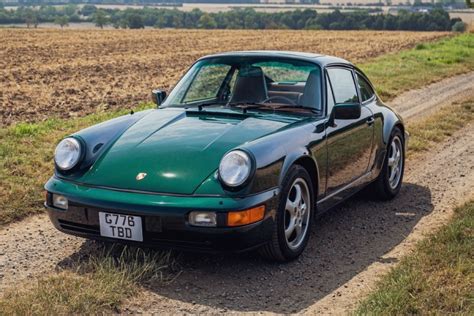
(344, 67)
(326, 82)
(359, 73)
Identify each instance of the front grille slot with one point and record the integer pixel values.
(80, 228)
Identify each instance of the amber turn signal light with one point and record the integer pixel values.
(246, 217)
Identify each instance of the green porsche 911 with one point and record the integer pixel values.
(242, 154)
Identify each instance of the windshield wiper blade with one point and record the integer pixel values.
(256, 105)
(309, 108)
(190, 105)
(249, 105)
(200, 106)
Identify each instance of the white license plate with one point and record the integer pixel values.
(121, 226)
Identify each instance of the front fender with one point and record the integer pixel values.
(274, 155)
(296, 156)
(98, 138)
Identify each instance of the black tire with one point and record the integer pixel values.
(279, 249)
(381, 187)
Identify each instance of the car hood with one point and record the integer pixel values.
(174, 151)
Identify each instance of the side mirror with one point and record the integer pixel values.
(347, 111)
(158, 96)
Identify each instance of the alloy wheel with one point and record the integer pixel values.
(297, 213)
(395, 162)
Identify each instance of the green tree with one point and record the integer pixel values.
(206, 21)
(100, 19)
(135, 21)
(88, 10)
(70, 9)
(31, 18)
(62, 21)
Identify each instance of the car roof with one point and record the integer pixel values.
(320, 59)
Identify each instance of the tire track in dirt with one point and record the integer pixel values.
(348, 251)
(417, 103)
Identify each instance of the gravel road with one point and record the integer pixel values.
(348, 251)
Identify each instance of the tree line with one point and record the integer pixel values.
(435, 20)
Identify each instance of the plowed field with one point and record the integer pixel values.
(66, 73)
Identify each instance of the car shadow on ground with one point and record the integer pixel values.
(344, 242)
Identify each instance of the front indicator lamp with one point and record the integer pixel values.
(246, 217)
(231, 219)
(206, 219)
(60, 201)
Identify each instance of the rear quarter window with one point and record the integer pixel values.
(366, 91)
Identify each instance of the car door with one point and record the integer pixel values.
(349, 141)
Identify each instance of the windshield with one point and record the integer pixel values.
(233, 80)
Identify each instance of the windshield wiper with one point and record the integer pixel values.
(249, 105)
(309, 108)
(202, 105)
(256, 105)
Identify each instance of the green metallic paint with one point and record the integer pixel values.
(178, 149)
(151, 203)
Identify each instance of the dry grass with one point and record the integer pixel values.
(439, 126)
(393, 74)
(98, 284)
(26, 155)
(437, 279)
(66, 73)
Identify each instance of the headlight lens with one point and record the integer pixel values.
(67, 153)
(235, 168)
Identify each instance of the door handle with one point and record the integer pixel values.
(370, 120)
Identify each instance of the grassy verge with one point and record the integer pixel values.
(415, 68)
(436, 279)
(26, 155)
(439, 126)
(99, 284)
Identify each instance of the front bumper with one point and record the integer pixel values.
(164, 217)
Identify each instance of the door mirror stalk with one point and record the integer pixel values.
(158, 96)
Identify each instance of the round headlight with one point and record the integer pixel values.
(67, 153)
(235, 168)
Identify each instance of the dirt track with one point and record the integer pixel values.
(350, 247)
(421, 102)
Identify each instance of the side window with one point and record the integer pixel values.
(366, 91)
(343, 85)
(207, 82)
(330, 96)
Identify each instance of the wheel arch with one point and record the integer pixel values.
(391, 121)
(309, 164)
